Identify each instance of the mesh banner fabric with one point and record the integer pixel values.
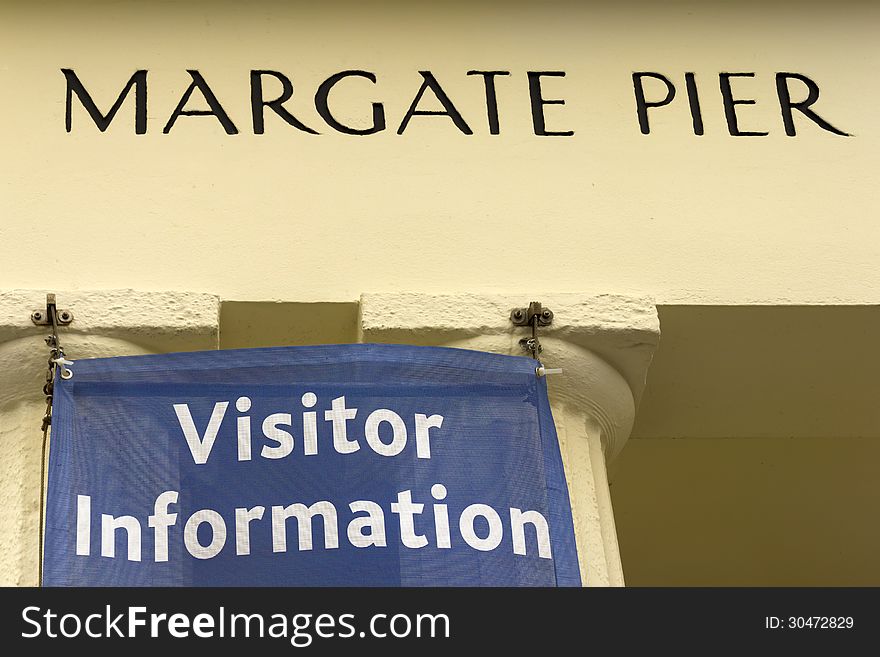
(342, 465)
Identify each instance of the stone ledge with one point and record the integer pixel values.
(161, 321)
(624, 330)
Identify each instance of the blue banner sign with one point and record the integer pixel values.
(348, 465)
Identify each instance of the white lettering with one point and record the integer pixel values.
(371, 429)
(218, 534)
(518, 520)
(339, 415)
(132, 528)
(83, 525)
(304, 515)
(423, 440)
(407, 510)
(243, 519)
(374, 521)
(160, 521)
(200, 448)
(280, 436)
(469, 534)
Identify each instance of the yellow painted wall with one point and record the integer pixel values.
(285, 215)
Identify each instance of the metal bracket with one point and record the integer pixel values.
(535, 315)
(526, 316)
(44, 317)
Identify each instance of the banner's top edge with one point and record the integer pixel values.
(314, 355)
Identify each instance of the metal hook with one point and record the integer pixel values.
(534, 315)
(53, 318)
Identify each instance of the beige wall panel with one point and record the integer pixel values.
(292, 216)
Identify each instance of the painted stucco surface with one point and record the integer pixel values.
(292, 216)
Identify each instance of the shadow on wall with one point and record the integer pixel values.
(246, 324)
(755, 458)
(749, 512)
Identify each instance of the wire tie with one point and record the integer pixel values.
(62, 362)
